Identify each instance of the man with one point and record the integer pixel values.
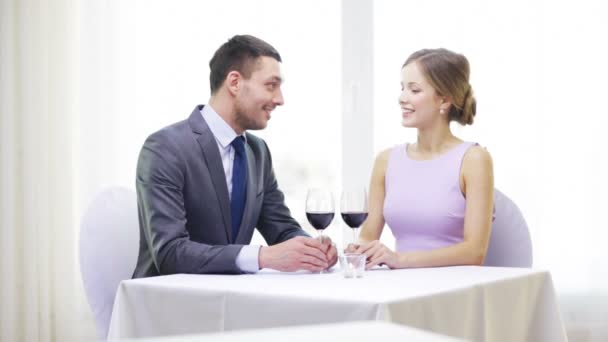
(205, 183)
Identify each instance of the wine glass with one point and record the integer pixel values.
(353, 208)
(320, 209)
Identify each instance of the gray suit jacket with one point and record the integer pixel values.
(184, 208)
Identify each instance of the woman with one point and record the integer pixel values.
(436, 194)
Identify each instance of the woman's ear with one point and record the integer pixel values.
(444, 105)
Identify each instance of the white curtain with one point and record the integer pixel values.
(40, 289)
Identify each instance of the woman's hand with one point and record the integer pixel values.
(351, 248)
(377, 253)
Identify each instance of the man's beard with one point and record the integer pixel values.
(243, 121)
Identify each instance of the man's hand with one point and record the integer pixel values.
(330, 250)
(299, 253)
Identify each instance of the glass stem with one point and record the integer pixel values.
(321, 239)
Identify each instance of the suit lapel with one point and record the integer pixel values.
(214, 164)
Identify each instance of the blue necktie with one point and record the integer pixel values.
(239, 184)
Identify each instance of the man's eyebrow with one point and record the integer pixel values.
(276, 79)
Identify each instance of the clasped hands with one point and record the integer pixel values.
(299, 253)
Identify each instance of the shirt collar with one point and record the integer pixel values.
(223, 133)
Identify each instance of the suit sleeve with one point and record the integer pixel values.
(275, 222)
(162, 215)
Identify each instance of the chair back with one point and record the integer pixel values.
(510, 243)
(109, 245)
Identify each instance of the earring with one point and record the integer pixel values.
(441, 111)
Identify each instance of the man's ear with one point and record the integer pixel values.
(233, 82)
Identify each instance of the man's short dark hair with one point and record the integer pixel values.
(238, 54)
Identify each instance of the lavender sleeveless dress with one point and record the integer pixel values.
(423, 204)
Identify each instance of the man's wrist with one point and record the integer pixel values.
(262, 257)
(248, 259)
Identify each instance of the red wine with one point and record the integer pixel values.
(320, 220)
(354, 219)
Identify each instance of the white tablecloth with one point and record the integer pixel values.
(362, 331)
(476, 303)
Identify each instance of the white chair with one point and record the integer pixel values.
(510, 243)
(109, 244)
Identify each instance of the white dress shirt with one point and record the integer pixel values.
(247, 260)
